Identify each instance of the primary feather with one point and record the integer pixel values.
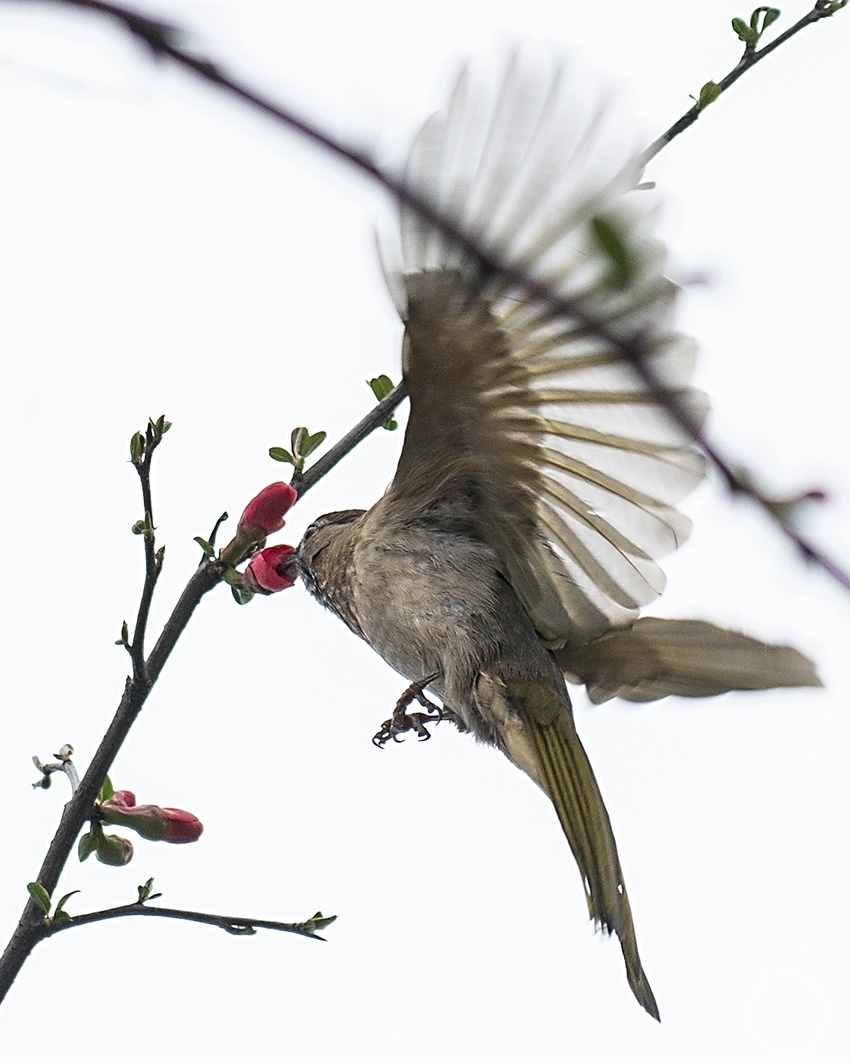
(561, 432)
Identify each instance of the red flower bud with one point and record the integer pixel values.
(126, 798)
(152, 822)
(264, 514)
(182, 826)
(270, 570)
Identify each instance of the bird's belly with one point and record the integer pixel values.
(432, 609)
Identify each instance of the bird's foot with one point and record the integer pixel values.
(403, 721)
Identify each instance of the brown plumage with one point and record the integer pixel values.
(538, 477)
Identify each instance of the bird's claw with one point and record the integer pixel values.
(403, 721)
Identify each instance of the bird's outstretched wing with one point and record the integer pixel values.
(573, 465)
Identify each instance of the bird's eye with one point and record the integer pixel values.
(312, 529)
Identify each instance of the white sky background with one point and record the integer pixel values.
(164, 250)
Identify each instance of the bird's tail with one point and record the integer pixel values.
(542, 740)
(656, 657)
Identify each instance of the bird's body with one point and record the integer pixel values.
(536, 485)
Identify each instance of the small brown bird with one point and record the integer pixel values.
(537, 481)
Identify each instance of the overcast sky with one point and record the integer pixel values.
(164, 250)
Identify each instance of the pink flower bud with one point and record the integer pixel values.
(270, 570)
(125, 798)
(148, 820)
(264, 514)
(152, 822)
(182, 826)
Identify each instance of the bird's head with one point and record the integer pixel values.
(323, 555)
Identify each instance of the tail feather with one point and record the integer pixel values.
(657, 657)
(544, 743)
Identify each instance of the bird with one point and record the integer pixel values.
(539, 475)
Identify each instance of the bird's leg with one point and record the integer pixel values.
(402, 720)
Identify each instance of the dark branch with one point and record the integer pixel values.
(163, 40)
(29, 930)
(232, 924)
(302, 482)
(822, 9)
(143, 468)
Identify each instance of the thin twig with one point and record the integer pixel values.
(822, 9)
(143, 468)
(29, 930)
(378, 415)
(232, 924)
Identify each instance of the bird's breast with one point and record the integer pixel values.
(427, 602)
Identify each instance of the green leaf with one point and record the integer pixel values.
(320, 921)
(767, 15)
(771, 14)
(381, 387)
(143, 527)
(61, 917)
(40, 896)
(745, 33)
(205, 546)
(281, 454)
(311, 442)
(137, 447)
(708, 94)
(612, 245)
(86, 846)
(296, 438)
(106, 791)
(60, 907)
(241, 595)
(125, 636)
(145, 891)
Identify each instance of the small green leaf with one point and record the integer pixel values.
(708, 94)
(612, 245)
(40, 896)
(144, 527)
(216, 526)
(296, 439)
(125, 636)
(281, 454)
(159, 558)
(241, 595)
(205, 546)
(61, 917)
(106, 791)
(745, 33)
(311, 442)
(137, 447)
(145, 891)
(771, 14)
(381, 387)
(239, 931)
(60, 907)
(86, 846)
(320, 921)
